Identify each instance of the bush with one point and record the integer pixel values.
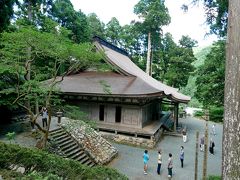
(211, 177)
(42, 162)
(198, 113)
(216, 114)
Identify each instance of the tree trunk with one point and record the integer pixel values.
(231, 127)
(28, 62)
(149, 55)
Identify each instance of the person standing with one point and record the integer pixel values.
(184, 134)
(211, 147)
(44, 117)
(159, 162)
(214, 129)
(145, 161)
(202, 143)
(170, 166)
(181, 155)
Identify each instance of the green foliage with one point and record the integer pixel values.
(217, 19)
(200, 54)
(76, 21)
(187, 42)
(96, 26)
(113, 31)
(34, 160)
(6, 13)
(190, 89)
(10, 174)
(210, 77)
(175, 67)
(11, 136)
(212, 177)
(216, 114)
(41, 176)
(199, 113)
(154, 14)
(76, 113)
(106, 87)
(49, 52)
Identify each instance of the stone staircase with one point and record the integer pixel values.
(69, 148)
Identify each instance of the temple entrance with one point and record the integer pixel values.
(118, 114)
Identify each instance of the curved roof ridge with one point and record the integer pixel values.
(126, 65)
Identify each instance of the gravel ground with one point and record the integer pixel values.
(130, 160)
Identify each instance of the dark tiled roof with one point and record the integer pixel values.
(131, 80)
(97, 82)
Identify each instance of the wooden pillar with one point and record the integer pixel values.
(205, 157)
(175, 116)
(196, 157)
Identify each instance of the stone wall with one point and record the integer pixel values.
(136, 141)
(97, 147)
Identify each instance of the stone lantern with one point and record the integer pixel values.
(59, 116)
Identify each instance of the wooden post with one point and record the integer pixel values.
(36, 107)
(205, 147)
(196, 157)
(175, 116)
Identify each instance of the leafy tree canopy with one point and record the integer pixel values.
(210, 80)
(6, 13)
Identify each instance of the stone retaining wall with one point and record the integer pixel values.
(137, 141)
(97, 147)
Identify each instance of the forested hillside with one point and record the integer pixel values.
(200, 54)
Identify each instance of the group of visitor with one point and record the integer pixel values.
(211, 144)
(181, 154)
(159, 160)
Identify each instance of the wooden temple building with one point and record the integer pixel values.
(124, 101)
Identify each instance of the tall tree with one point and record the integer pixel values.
(175, 65)
(217, 16)
(96, 26)
(113, 31)
(231, 127)
(154, 15)
(48, 53)
(210, 77)
(76, 21)
(6, 13)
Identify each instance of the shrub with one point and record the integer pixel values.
(216, 114)
(75, 112)
(198, 113)
(211, 177)
(42, 162)
(11, 136)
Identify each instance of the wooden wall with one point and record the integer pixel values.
(131, 115)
